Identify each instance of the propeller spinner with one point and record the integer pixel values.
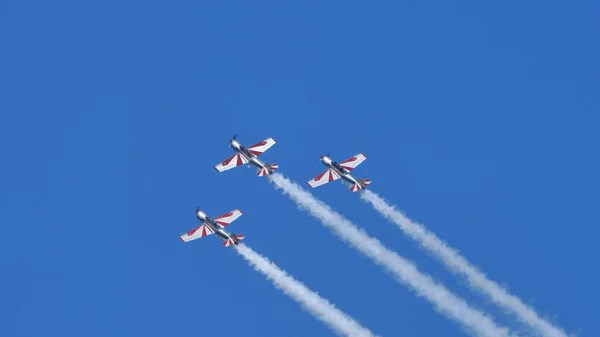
(233, 138)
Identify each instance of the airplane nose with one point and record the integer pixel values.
(322, 157)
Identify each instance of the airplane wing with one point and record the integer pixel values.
(231, 162)
(351, 163)
(196, 233)
(228, 218)
(323, 178)
(260, 147)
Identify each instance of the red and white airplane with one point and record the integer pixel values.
(342, 170)
(248, 155)
(214, 226)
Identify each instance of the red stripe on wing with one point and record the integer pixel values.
(348, 160)
(261, 143)
(256, 152)
(190, 233)
(228, 160)
(317, 178)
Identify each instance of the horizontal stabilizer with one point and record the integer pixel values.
(262, 172)
(233, 240)
(268, 169)
(364, 182)
(360, 185)
(356, 187)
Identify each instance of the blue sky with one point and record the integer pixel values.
(478, 120)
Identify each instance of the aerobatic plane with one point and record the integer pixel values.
(250, 155)
(214, 226)
(342, 170)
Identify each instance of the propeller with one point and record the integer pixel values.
(233, 138)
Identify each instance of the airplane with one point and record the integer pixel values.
(342, 170)
(214, 226)
(248, 155)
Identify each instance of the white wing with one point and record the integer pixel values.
(196, 233)
(351, 163)
(231, 162)
(228, 218)
(328, 176)
(260, 147)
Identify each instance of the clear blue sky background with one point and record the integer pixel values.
(478, 120)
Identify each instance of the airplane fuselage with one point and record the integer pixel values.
(214, 226)
(342, 172)
(252, 159)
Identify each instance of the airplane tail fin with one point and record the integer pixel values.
(360, 185)
(233, 240)
(268, 169)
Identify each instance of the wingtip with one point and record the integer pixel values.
(239, 210)
(180, 238)
(216, 169)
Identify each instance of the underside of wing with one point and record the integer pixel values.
(196, 233)
(328, 176)
(231, 162)
(228, 218)
(351, 163)
(260, 147)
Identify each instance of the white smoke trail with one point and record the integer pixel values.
(459, 265)
(319, 307)
(405, 272)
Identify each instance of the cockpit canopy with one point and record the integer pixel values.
(337, 166)
(243, 149)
